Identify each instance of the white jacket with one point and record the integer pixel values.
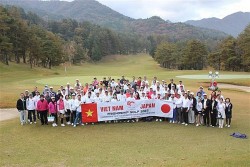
(30, 104)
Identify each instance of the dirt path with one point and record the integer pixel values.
(9, 113)
(230, 86)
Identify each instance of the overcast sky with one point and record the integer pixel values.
(177, 10)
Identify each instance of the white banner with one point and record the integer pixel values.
(134, 109)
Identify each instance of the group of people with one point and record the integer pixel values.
(189, 108)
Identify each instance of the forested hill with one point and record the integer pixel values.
(232, 24)
(95, 12)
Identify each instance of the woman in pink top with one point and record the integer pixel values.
(61, 108)
(42, 108)
(53, 110)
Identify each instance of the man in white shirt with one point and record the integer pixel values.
(185, 108)
(73, 106)
(178, 103)
(106, 97)
(180, 85)
(143, 96)
(121, 96)
(97, 98)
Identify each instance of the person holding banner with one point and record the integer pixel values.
(173, 99)
(78, 118)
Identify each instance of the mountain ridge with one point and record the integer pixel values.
(97, 13)
(232, 24)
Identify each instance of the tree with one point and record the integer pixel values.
(244, 47)
(194, 55)
(165, 55)
(5, 42)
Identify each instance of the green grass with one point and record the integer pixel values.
(123, 144)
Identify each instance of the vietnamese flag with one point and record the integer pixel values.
(89, 113)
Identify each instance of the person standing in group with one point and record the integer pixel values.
(198, 112)
(174, 119)
(42, 108)
(31, 107)
(73, 106)
(78, 103)
(67, 109)
(206, 105)
(221, 112)
(37, 98)
(61, 109)
(53, 110)
(214, 111)
(178, 103)
(185, 108)
(21, 107)
(192, 110)
(228, 112)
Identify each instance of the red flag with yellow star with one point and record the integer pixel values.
(89, 113)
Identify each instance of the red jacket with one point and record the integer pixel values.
(42, 105)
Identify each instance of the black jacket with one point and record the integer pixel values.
(21, 104)
(208, 104)
(170, 86)
(194, 104)
(215, 106)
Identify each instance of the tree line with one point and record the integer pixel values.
(28, 38)
(47, 43)
(231, 54)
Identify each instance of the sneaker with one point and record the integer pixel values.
(156, 120)
(86, 123)
(93, 123)
(30, 123)
(62, 125)
(186, 124)
(74, 126)
(173, 122)
(133, 121)
(55, 124)
(183, 123)
(82, 124)
(68, 123)
(160, 120)
(22, 124)
(228, 126)
(170, 121)
(34, 122)
(197, 124)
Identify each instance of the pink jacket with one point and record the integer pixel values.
(52, 108)
(42, 105)
(60, 104)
